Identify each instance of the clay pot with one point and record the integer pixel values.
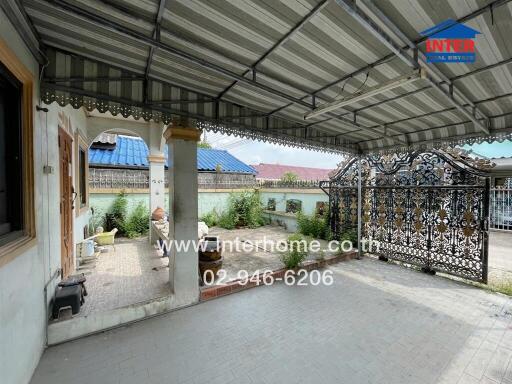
(158, 214)
(213, 266)
(210, 249)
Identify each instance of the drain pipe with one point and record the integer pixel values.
(47, 170)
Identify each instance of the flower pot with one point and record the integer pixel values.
(210, 249)
(213, 266)
(158, 214)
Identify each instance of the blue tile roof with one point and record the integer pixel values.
(133, 152)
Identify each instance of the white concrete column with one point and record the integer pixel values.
(183, 265)
(156, 182)
(156, 161)
(156, 187)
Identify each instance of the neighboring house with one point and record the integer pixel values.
(276, 172)
(117, 161)
(501, 185)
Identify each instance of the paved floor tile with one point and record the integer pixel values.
(378, 323)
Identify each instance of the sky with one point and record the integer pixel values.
(255, 152)
(494, 150)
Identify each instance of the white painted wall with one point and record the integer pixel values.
(23, 280)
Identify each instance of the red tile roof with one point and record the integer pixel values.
(276, 171)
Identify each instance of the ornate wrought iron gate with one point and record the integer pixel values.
(428, 209)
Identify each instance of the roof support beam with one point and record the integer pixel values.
(152, 42)
(17, 15)
(478, 102)
(374, 130)
(93, 94)
(495, 4)
(483, 69)
(277, 45)
(352, 9)
(423, 89)
(152, 49)
(363, 95)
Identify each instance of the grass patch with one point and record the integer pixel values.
(504, 287)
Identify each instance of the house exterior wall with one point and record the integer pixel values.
(22, 280)
(27, 282)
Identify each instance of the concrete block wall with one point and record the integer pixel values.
(209, 200)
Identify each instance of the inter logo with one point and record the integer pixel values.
(450, 42)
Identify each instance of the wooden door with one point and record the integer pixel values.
(66, 202)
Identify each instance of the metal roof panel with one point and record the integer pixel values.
(131, 152)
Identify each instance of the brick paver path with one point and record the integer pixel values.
(125, 276)
(378, 323)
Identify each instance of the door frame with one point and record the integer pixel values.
(67, 251)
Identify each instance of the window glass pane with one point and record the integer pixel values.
(82, 178)
(11, 176)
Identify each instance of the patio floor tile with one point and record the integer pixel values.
(378, 323)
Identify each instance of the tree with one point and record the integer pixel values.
(289, 177)
(203, 144)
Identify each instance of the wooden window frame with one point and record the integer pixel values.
(16, 247)
(81, 144)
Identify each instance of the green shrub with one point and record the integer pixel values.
(289, 177)
(244, 210)
(138, 222)
(314, 226)
(297, 251)
(228, 220)
(97, 220)
(350, 235)
(211, 219)
(116, 216)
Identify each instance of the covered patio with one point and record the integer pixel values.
(295, 83)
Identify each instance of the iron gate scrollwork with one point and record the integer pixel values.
(429, 209)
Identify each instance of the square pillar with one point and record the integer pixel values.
(183, 264)
(156, 184)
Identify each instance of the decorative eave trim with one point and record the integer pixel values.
(497, 135)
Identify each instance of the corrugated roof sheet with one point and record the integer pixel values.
(276, 172)
(328, 54)
(106, 138)
(132, 152)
